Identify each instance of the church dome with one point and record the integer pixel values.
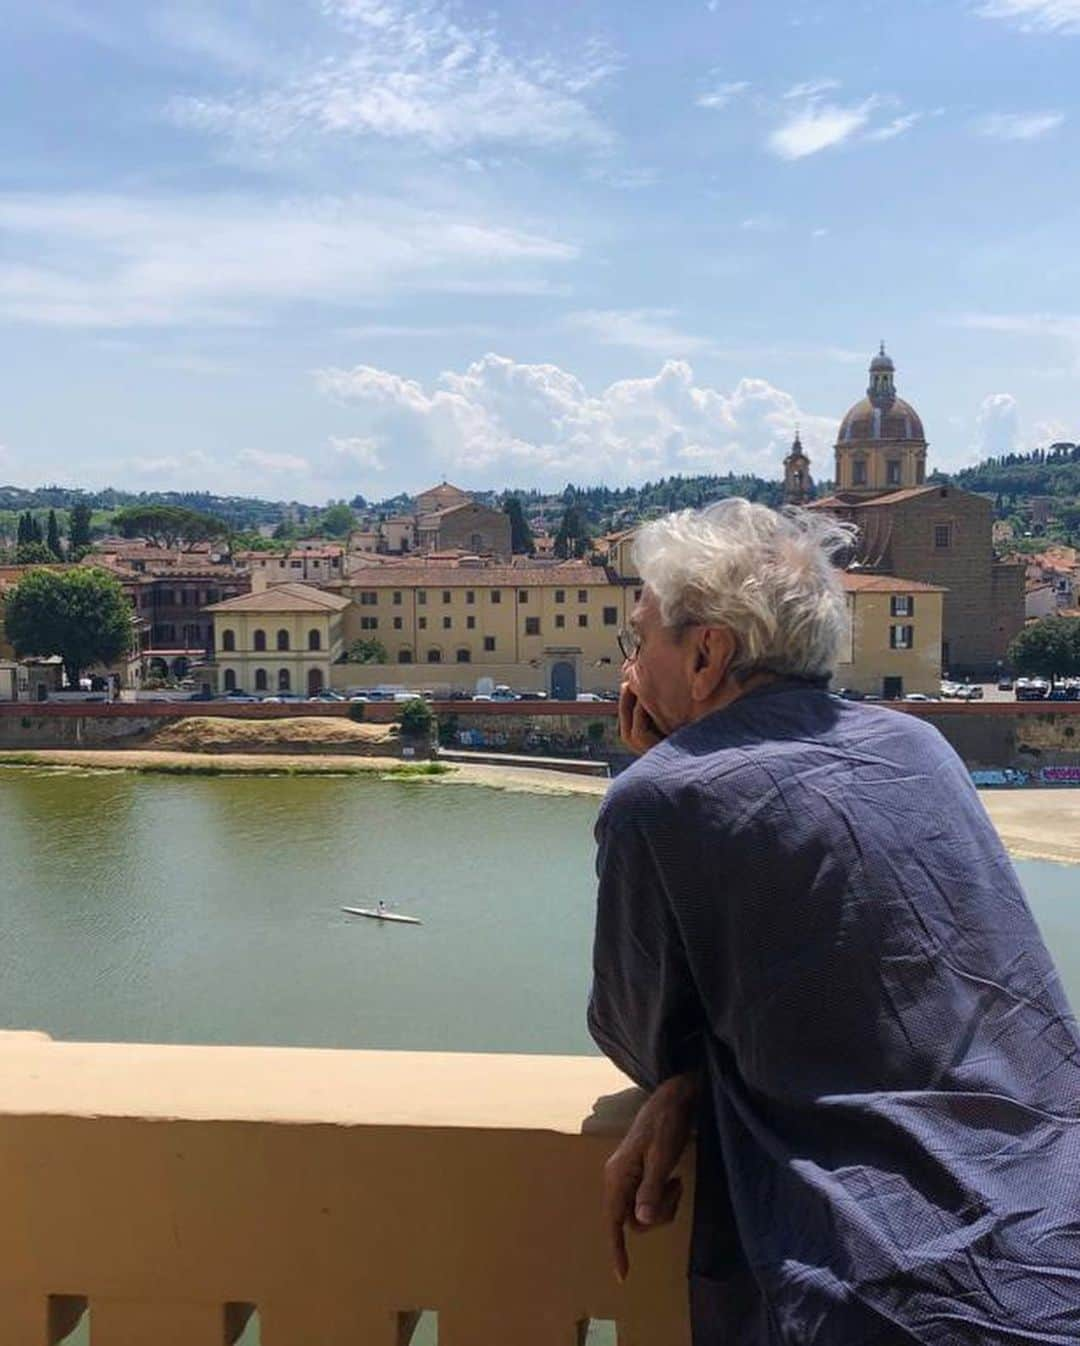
(895, 420)
(881, 415)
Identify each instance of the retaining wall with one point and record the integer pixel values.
(1023, 736)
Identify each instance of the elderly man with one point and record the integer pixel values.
(811, 945)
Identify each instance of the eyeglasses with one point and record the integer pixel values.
(629, 643)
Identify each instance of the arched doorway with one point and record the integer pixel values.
(230, 680)
(314, 681)
(563, 681)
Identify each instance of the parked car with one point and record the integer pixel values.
(238, 695)
(483, 696)
(850, 694)
(918, 696)
(504, 693)
(360, 697)
(327, 696)
(589, 696)
(532, 696)
(1005, 684)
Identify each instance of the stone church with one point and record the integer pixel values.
(922, 530)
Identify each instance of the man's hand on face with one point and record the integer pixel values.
(639, 1189)
(637, 729)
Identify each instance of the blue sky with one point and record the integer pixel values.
(305, 248)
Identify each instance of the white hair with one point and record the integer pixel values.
(770, 577)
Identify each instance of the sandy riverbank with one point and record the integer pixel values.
(1034, 824)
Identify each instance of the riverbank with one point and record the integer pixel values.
(1033, 824)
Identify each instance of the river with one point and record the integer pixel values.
(143, 908)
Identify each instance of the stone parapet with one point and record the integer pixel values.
(173, 1191)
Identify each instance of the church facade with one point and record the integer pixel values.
(931, 532)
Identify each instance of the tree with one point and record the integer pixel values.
(572, 539)
(369, 651)
(417, 718)
(168, 525)
(337, 521)
(53, 536)
(79, 529)
(33, 554)
(1049, 648)
(521, 538)
(80, 615)
(29, 530)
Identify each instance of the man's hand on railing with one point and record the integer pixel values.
(639, 1187)
(637, 729)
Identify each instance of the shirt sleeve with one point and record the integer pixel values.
(644, 1010)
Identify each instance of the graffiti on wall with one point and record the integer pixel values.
(1060, 775)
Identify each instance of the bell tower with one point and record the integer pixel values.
(798, 484)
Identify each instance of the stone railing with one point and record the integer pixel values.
(175, 1193)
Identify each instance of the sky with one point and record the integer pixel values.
(304, 249)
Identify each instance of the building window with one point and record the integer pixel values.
(892, 472)
(920, 472)
(397, 623)
(560, 595)
(470, 595)
(496, 595)
(446, 623)
(404, 656)
(314, 640)
(464, 657)
(228, 640)
(260, 640)
(421, 597)
(422, 623)
(583, 619)
(523, 595)
(942, 536)
(901, 637)
(611, 616)
(368, 598)
(560, 621)
(858, 472)
(583, 595)
(489, 644)
(532, 626)
(260, 680)
(284, 682)
(902, 605)
(296, 565)
(369, 623)
(434, 656)
(397, 598)
(446, 595)
(230, 680)
(470, 622)
(283, 639)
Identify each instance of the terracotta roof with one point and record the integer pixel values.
(854, 582)
(479, 577)
(283, 598)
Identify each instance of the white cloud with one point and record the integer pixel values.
(1062, 328)
(645, 329)
(413, 71)
(1052, 16)
(720, 95)
(357, 450)
(762, 224)
(539, 423)
(273, 462)
(812, 88)
(997, 426)
(116, 261)
(1019, 125)
(818, 126)
(897, 127)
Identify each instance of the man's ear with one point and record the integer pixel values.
(712, 659)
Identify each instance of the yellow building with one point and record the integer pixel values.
(538, 628)
(894, 644)
(286, 638)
